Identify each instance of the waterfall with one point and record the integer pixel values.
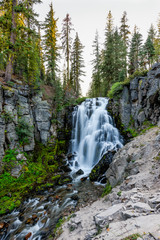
(93, 134)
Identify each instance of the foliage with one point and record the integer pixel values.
(115, 89)
(7, 116)
(133, 237)
(118, 86)
(24, 131)
(77, 64)
(50, 46)
(107, 189)
(38, 172)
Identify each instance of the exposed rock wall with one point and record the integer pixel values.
(16, 103)
(139, 101)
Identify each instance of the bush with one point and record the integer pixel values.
(107, 189)
(117, 87)
(24, 131)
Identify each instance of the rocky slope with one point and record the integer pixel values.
(133, 206)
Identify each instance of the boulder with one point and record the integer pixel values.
(101, 167)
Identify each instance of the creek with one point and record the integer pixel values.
(93, 135)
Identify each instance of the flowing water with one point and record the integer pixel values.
(93, 134)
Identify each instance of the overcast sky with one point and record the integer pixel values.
(89, 15)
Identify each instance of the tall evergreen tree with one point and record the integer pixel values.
(19, 21)
(77, 65)
(12, 33)
(108, 63)
(96, 63)
(149, 52)
(124, 31)
(50, 46)
(67, 42)
(119, 51)
(135, 51)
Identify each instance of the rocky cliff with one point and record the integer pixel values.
(20, 108)
(139, 101)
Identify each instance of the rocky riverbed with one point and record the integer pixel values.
(133, 206)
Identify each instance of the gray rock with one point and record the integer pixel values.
(16, 171)
(141, 117)
(125, 107)
(11, 135)
(1, 99)
(142, 207)
(102, 219)
(115, 172)
(129, 214)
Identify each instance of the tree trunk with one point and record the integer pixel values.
(9, 67)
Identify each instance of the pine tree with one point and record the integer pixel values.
(135, 51)
(96, 63)
(157, 43)
(77, 65)
(124, 31)
(67, 42)
(149, 51)
(12, 33)
(18, 23)
(119, 51)
(108, 63)
(50, 46)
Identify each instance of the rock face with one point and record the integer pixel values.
(17, 103)
(133, 206)
(139, 101)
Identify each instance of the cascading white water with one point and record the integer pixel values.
(93, 134)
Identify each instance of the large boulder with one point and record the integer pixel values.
(101, 167)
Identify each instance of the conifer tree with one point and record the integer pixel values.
(12, 33)
(135, 51)
(124, 31)
(67, 42)
(119, 51)
(96, 63)
(50, 46)
(157, 42)
(149, 51)
(77, 65)
(108, 63)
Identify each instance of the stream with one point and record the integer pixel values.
(93, 134)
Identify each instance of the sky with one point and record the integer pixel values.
(87, 16)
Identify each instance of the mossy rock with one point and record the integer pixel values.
(101, 167)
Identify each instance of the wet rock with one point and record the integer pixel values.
(80, 172)
(2, 225)
(28, 236)
(83, 179)
(101, 167)
(75, 197)
(66, 168)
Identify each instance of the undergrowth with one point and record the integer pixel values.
(38, 172)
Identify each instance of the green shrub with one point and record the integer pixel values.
(132, 237)
(24, 131)
(107, 189)
(117, 87)
(7, 116)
